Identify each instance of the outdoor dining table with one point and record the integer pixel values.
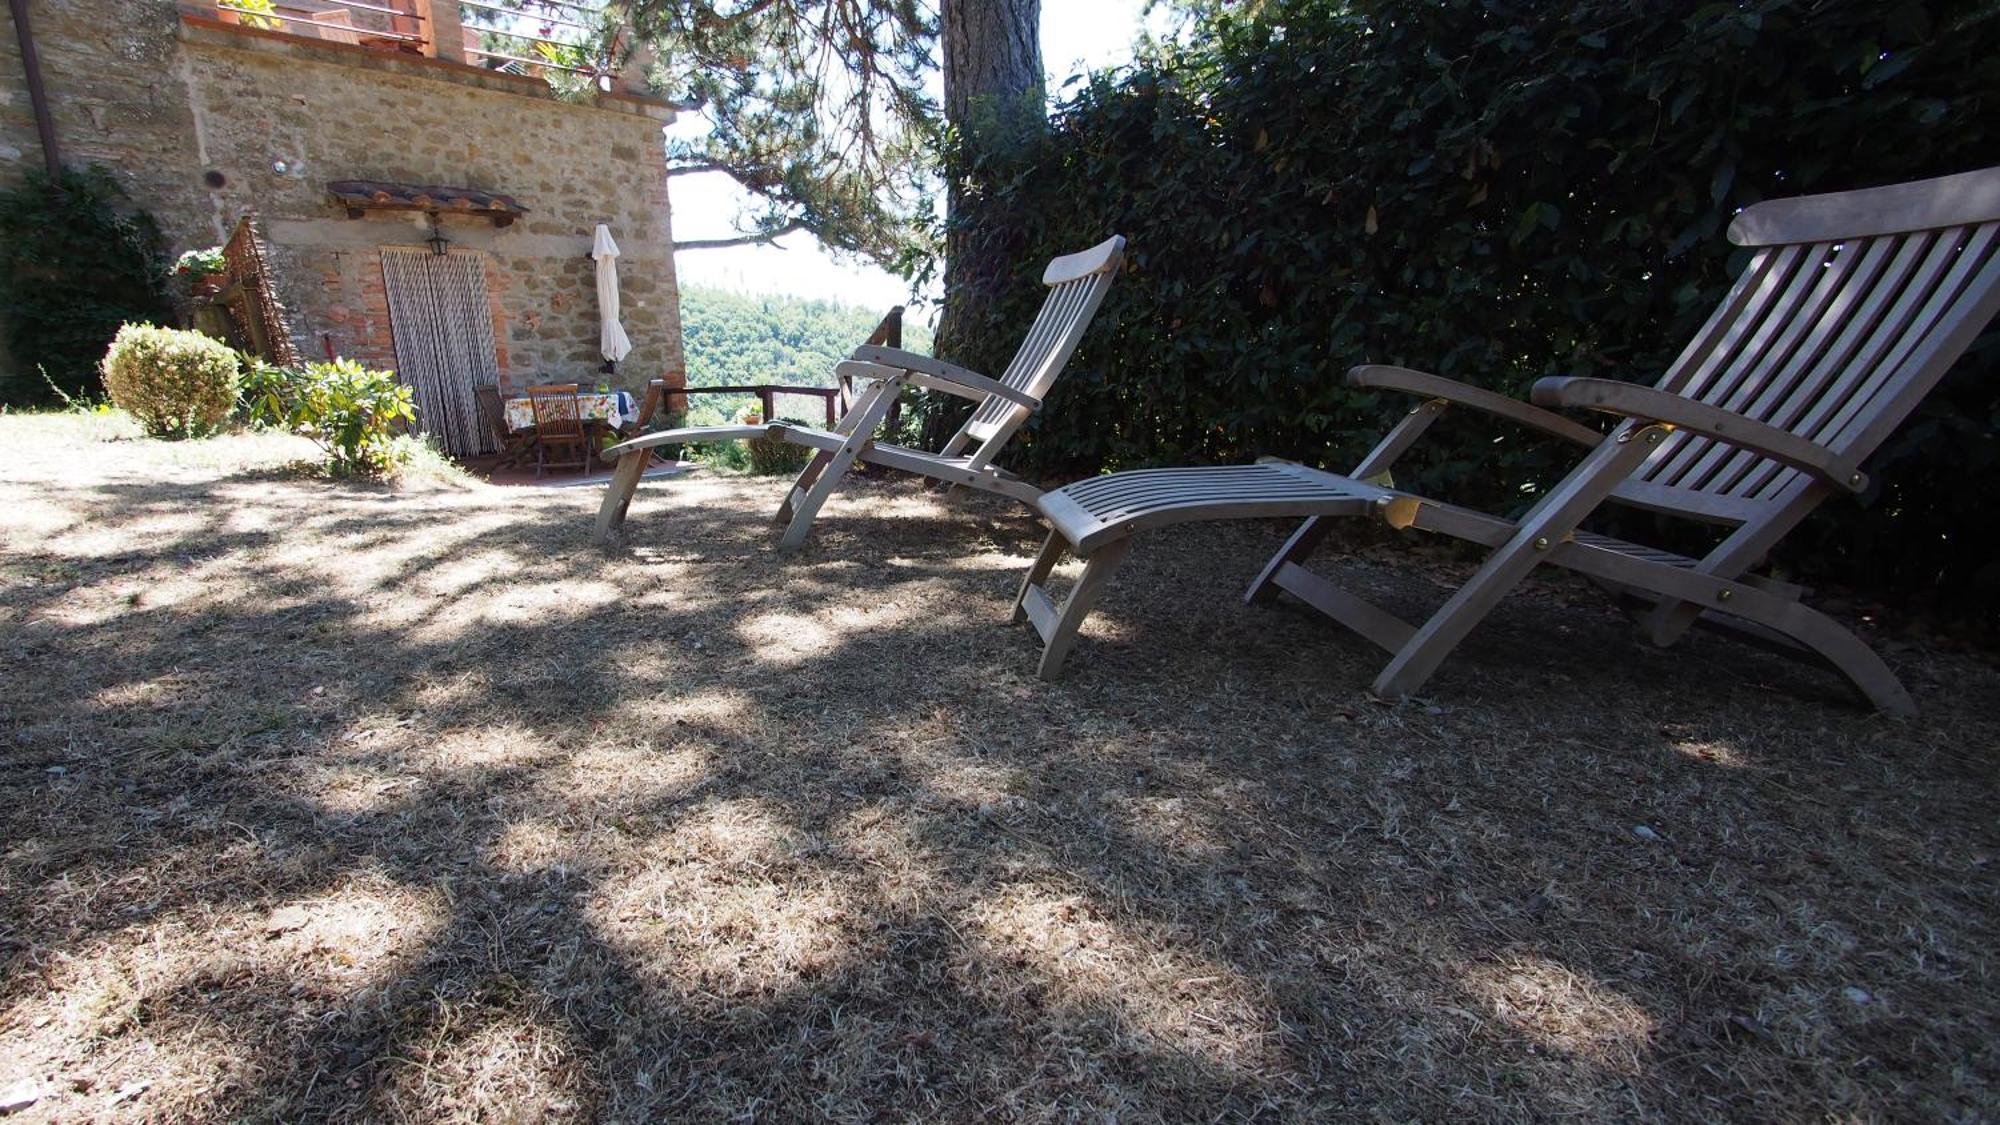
(615, 409)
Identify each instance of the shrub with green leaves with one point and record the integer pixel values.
(263, 392)
(773, 456)
(175, 382)
(351, 412)
(1495, 190)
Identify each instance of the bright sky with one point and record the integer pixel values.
(1076, 35)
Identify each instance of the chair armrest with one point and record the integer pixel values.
(869, 372)
(861, 369)
(926, 371)
(1632, 400)
(1381, 376)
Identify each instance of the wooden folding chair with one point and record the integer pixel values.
(1077, 284)
(512, 445)
(1851, 309)
(559, 427)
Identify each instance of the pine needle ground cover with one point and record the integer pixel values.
(333, 801)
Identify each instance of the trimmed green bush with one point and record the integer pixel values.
(176, 383)
(1494, 191)
(351, 412)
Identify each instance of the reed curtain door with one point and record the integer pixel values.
(443, 330)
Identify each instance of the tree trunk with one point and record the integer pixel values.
(993, 60)
(994, 96)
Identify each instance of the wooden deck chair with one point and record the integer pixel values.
(1852, 308)
(1077, 284)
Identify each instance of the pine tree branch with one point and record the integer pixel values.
(764, 239)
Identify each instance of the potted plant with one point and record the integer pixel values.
(203, 271)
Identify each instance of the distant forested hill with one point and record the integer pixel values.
(733, 338)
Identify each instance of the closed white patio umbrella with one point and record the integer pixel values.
(611, 337)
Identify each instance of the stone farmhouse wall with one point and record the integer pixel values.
(172, 104)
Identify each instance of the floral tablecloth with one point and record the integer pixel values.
(615, 408)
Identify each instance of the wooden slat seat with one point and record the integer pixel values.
(1077, 284)
(1093, 512)
(1850, 309)
(963, 469)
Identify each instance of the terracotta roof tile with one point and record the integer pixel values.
(362, 195)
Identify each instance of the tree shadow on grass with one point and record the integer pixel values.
(394, 813)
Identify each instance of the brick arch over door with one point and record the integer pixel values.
(441, 322)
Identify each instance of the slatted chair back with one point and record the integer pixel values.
(1853, 307)
(1077, 284)
(494, 412)
(649, 407)
(558, 411)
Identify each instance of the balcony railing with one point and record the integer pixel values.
(559, 41)
(392, 24)
(537, 37)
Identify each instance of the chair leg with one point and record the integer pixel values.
(808, 506)
(1314, 531)
(1835, 643)
(1302, 544)
(1552, 519)
(837, 464)
(1045, 562)
(1097, 571)
(801, 484)
(1434, 640)
(618, 497)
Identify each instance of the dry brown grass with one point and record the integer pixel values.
(326, 801)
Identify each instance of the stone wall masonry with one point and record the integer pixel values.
(113, 69)
(165, 101)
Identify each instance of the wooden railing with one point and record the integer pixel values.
(767, 394)
(835, 400)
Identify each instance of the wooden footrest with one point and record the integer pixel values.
(1090, 513)
(1096, 519)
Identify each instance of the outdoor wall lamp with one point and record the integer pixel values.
(438, 242)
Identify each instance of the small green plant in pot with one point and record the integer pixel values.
(202, 270)
(176, 383)
(197, 264)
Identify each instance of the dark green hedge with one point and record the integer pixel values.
(1494, 191)
(76, 261)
